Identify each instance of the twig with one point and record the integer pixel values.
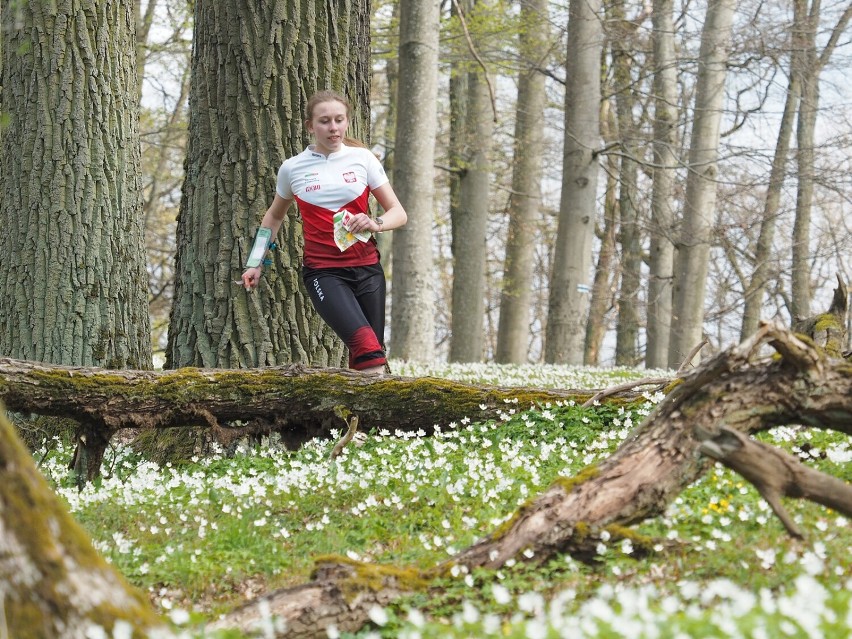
(689, 357)
(476, 57)
(350, 433)
(612, 390)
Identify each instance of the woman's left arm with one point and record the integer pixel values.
(393, 217)
(394, 214)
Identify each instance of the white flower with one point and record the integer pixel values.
(179, 616)
(378, 615)
(122, 630)
(416, 618)
(531, 602)
(470, 614)
(501, 594)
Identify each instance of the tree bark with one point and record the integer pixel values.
(254, 67)
(729, 396)
(470, 217)
(693, 247)
(52, 581)
(413, 292)
(72, 272)
(298, 402)
(626, 88)
(661, 258)
(513, 339)
(568, 304)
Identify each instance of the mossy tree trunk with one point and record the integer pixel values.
(73, 288)
(254, 66)
(707, 416)
(52, 581)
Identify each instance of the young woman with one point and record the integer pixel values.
(345, 281)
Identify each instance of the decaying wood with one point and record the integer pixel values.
(52, 581)
(738, 391)
(296, 401)
(776, 474)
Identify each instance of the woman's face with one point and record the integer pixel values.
(328, 126)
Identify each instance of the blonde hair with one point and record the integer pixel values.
(327, 95)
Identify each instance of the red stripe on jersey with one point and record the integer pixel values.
(318, 229)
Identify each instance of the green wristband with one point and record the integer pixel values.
(261, 244)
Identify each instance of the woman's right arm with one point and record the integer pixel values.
(272, 221)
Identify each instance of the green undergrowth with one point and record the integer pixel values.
(205, 536)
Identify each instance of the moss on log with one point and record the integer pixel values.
(286, 397)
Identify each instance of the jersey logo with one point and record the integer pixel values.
(349, 177)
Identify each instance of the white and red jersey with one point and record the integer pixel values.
(323, 185)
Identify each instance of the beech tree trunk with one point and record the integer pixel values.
(661, 257)
(696, 237)
(470, 216)
(413, 293)
(513, 332)
(568, 302)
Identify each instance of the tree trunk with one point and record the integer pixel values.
(625, 88)
(804, 39)
(693, 248)
(52, 581)
(704, 417)
(755, 289)
(72, 273)
(413, 303)
(569, 281)
(254, 66)
(525, 198)
(606, 268)
(470, 217)
(661, 259)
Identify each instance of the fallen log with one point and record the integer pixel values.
(738, 391)
(298, 402)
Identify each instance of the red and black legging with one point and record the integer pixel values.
(351, 300)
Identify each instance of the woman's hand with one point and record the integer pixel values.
(361, 222)
(251, 278)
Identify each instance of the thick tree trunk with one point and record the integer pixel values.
(52, 581)
(513, 333)
(470, 217)
(568, 303)
(72, 255)
(254, 66)
(707, 416)
(623, 43)
(661, 258)
(693, 248)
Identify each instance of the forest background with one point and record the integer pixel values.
(667, 173)
(625, 227)
(701, 181)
